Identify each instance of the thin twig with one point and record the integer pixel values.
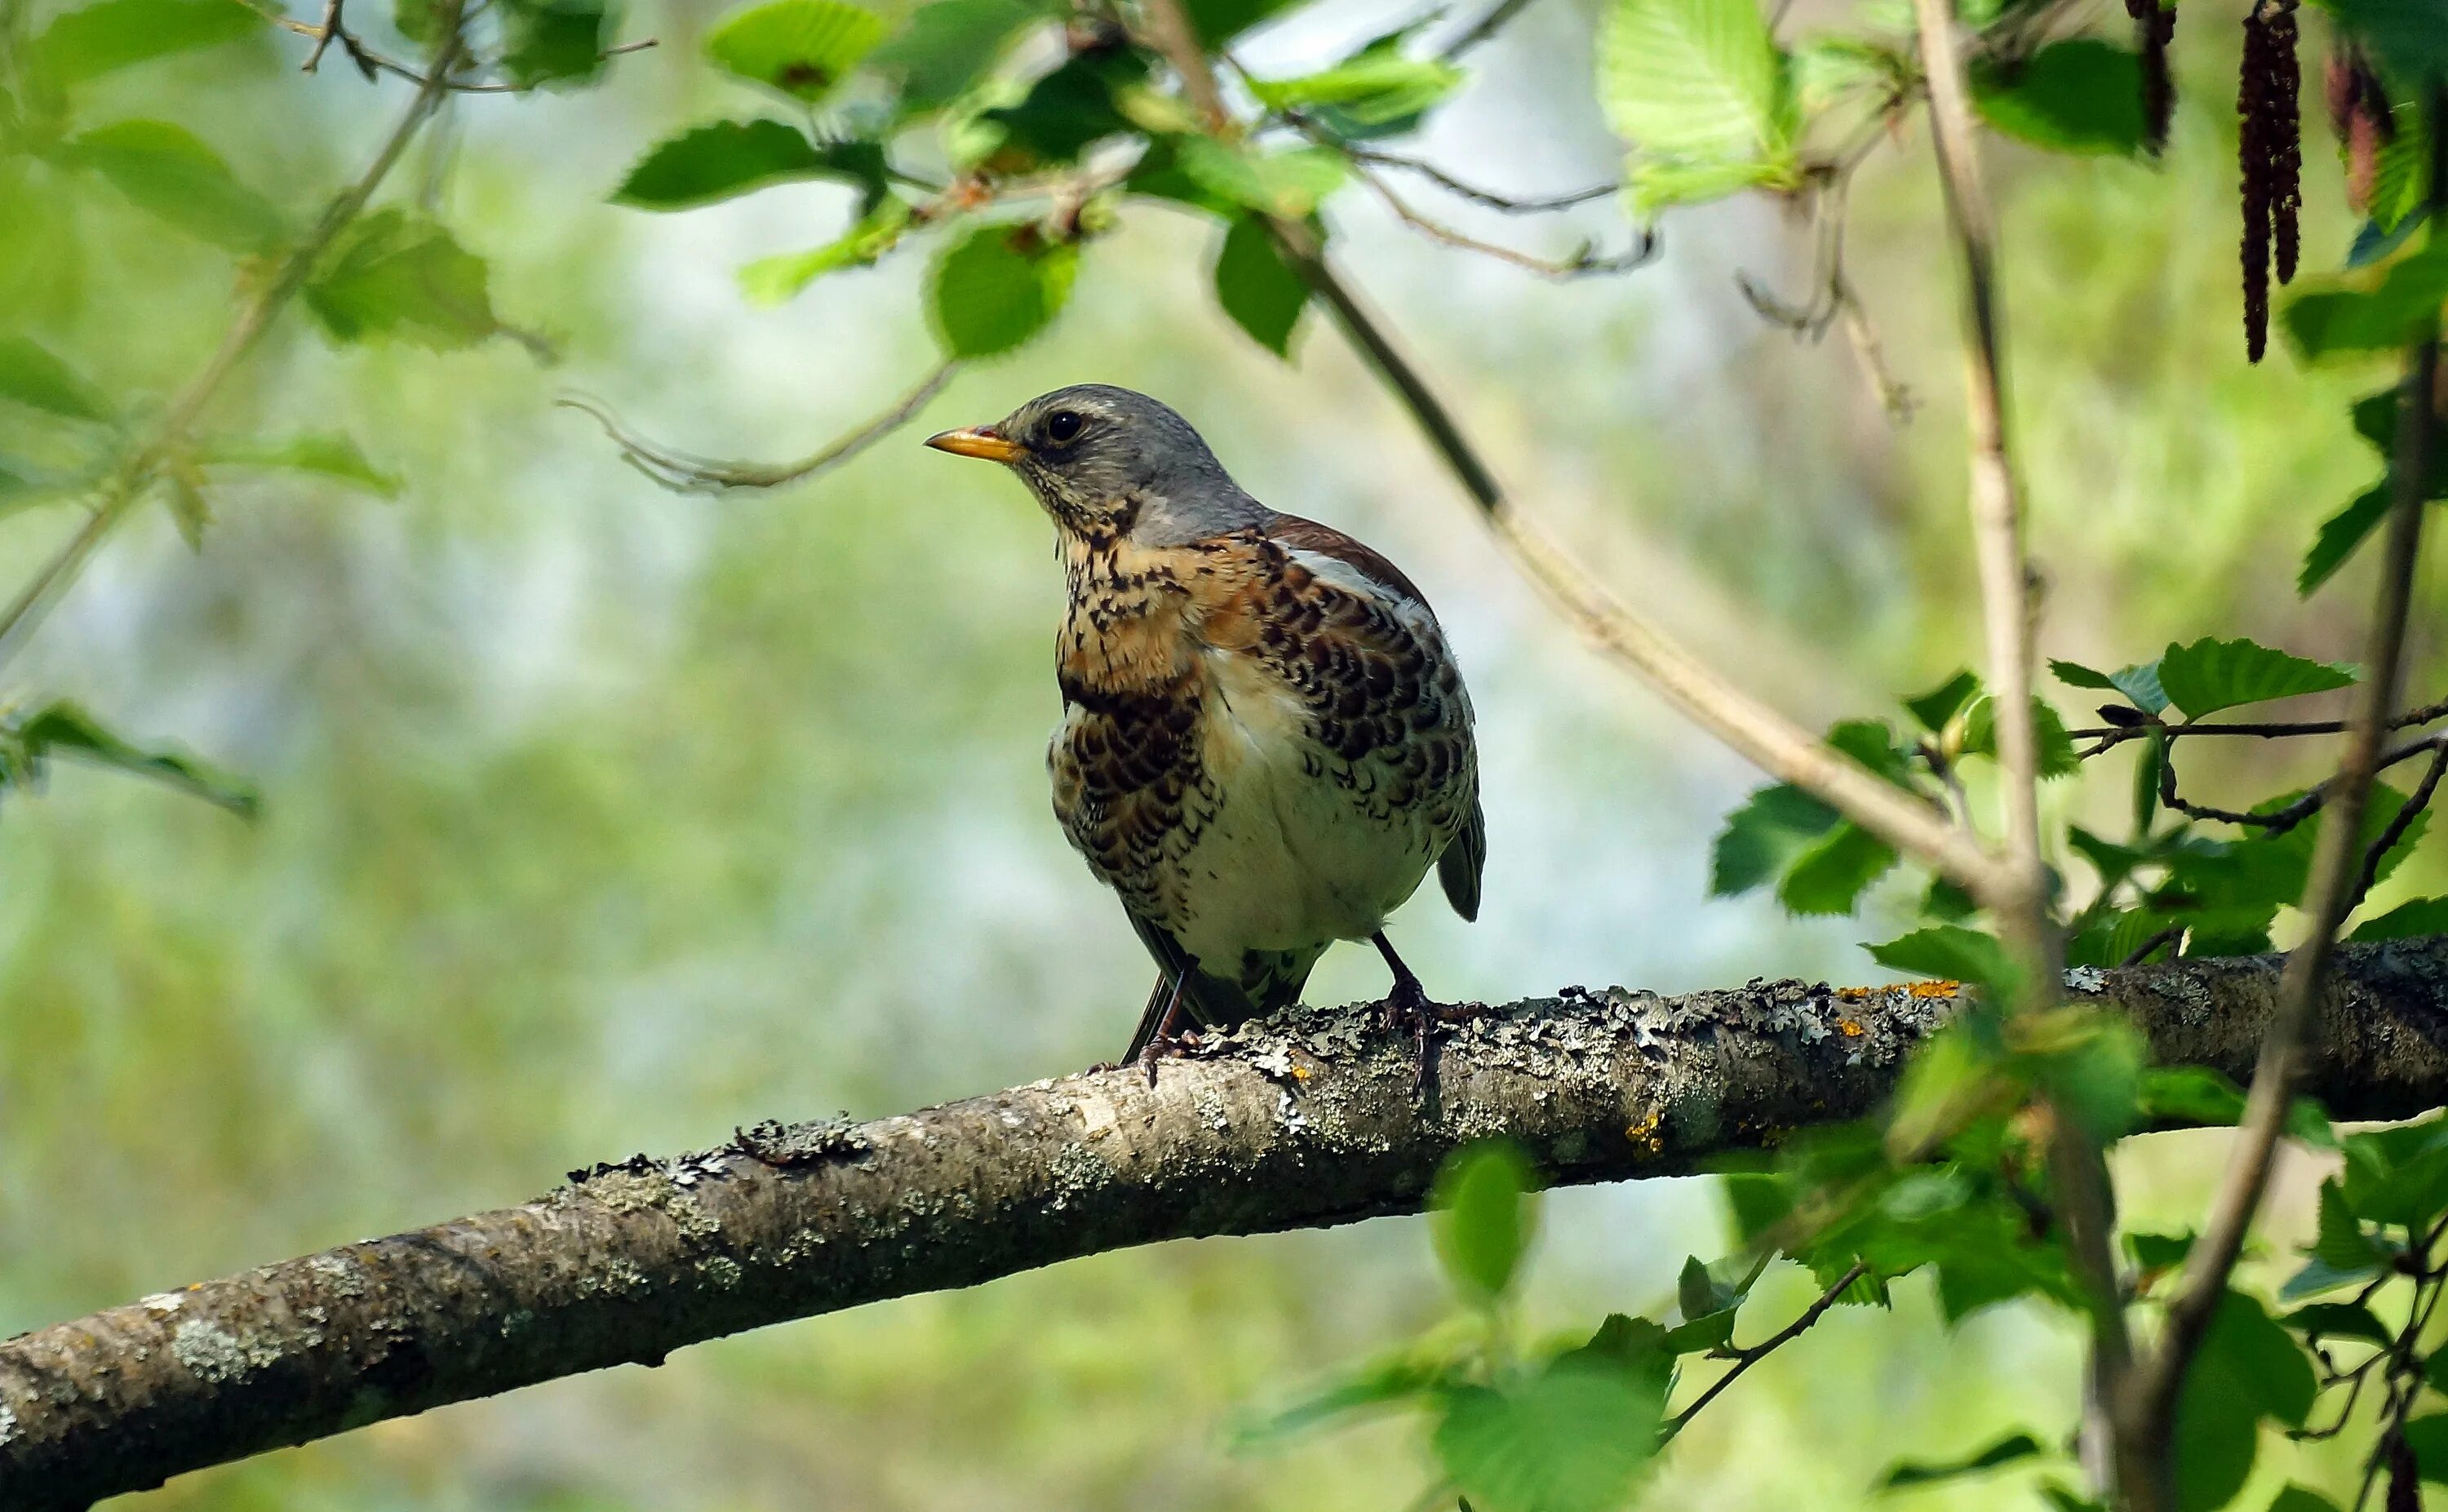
(126, 484)
(1585, 263)
(2148, 1415)
(683, 473)
(2399, 823)
(1509, 204)
(1745, 1359)
(1484, 27)
(2278, 821)
(2112, 736)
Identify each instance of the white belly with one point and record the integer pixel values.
(1290, 859)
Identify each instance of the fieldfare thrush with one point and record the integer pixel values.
(1265, 743)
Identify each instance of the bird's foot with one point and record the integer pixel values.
(1408, 1011)
(1166, 1046)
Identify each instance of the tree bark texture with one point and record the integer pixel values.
(1311, 1118)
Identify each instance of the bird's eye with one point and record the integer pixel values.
(1061, 425)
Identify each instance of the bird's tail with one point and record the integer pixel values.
(1270, 980)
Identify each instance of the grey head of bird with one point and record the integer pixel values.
(1109, 464)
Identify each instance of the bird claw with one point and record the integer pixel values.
(1166, 1046)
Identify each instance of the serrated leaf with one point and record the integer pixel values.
(2211, 675)
(1656, 186)
(549, 44)
(1572, 1437)
(394, 276)
(1953, 1076)
(1763, 836)
(331, 456)
(727, 158)
(28, 743)
(774, 280)
(2357, 314)
(1827, 70)
(1286, 184)
(802, 48)
(170, 172)
(1257, 288)
(1947, 952)
(1397, 1379)
(2012, 1450)
(2337, 1320)
(31, 375)
(1217, 22)
(947, 44)
(98, 38)
(1831, 874)
(1485, 1217)
(997, 287)
(2080, 96)
(1696, 82)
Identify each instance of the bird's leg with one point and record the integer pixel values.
(1407, 1007)
(1165, 1041)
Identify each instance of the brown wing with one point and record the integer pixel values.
(1307, 535)
(1464, 859)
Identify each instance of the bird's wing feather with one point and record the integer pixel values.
(1293, 531)
(1464, 859)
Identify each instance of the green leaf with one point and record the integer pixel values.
(997, 287)
(1397, 1379)
(1948, 952)
(1072, 107)
(1484, 1218)
(394, 276)
(98, 38)
(947, 44)
(32, 376)
(1257, 288)
(2299, 1499)
(2421, 916)
(1217, 22)
(2012, 1450)
(1697, 84)
(28, 743)
(2160, 1252)
(168, 171)
(2337, 1320)
(1943, 702)
(2079, 96)
(2405, 33)
(1657, 185)
(728, 158)
(1831, 874)
(2190, 1094)
(552, 42)
(2427, 1435)
(2247, 1368)
(2361, 312)
(770, 281)
(1827, 69)
(2341, 533)
(1373, 89)
(1874, 745)
(2211, 675)
(328, 456)
(2052, 744)
(1953, 1075)
(801, 48)
(1286, 184)
(1572, 1437)
(1763, 836)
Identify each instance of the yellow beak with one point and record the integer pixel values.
(978, 441)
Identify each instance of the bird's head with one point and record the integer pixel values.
(1107, 463)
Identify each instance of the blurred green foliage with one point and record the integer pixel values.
(594, 819)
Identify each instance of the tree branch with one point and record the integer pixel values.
(1305, 1121)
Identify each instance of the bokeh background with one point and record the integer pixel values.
(599, 819)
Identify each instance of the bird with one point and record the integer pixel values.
(1265, 743)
